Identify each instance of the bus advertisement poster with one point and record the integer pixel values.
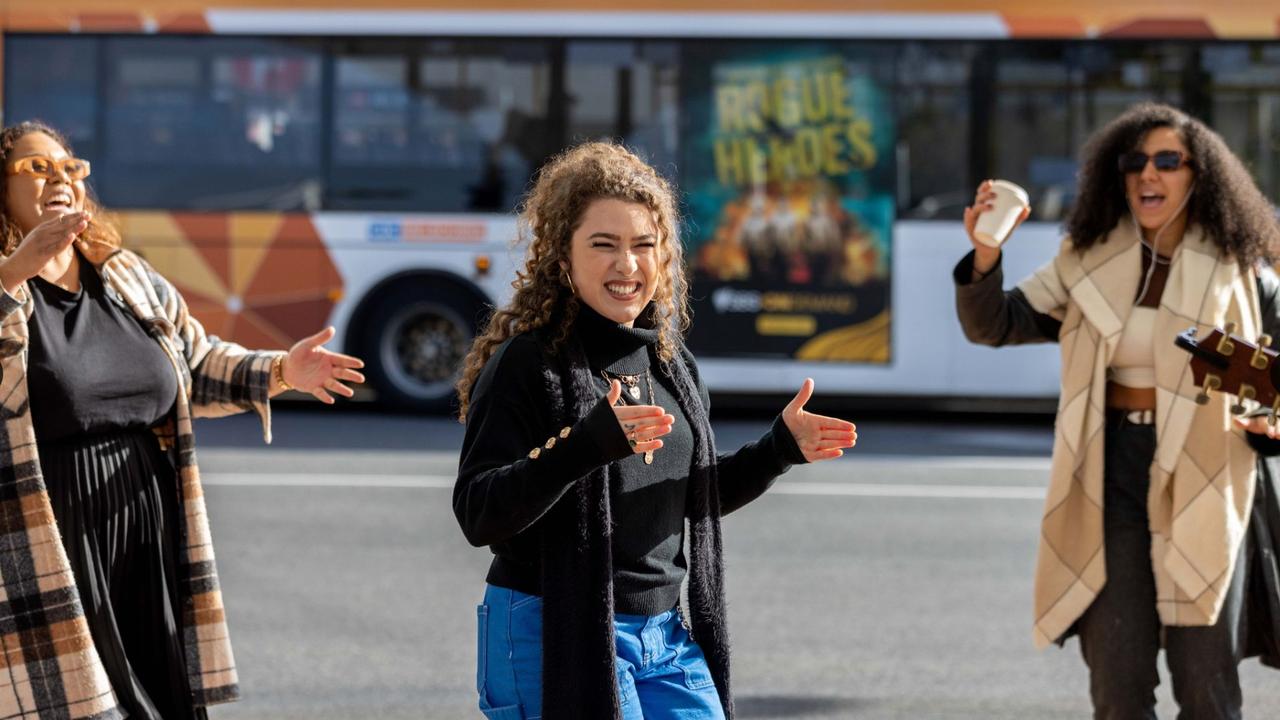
(789, 180)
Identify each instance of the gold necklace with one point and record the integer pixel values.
(633, 389)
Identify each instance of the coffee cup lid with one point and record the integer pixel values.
(1014, 188)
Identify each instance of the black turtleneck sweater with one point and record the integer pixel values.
(502, 493)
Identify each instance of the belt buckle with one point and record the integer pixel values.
(1141, 417)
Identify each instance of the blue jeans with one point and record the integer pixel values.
(662, 673)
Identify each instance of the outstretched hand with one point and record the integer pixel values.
(819, 437)
(310, 368)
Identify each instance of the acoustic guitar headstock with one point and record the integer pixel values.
(1225, 362)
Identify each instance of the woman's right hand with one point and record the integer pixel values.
(46, 241)
(642, 424)
(985, 257)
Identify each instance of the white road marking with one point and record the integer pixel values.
(877, 490)
(784, 486)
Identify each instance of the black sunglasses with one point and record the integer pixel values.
(1165, 161)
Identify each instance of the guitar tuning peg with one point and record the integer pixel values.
(1246, 393)
(1259, 360)
(1211, 383)
(1225, 346)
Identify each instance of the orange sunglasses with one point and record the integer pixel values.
(48, 168)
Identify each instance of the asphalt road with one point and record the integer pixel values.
(894, 583)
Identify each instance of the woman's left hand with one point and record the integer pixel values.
(310, 368)
(819, 437)
(1258, 425)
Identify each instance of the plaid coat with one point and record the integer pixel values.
(50, 666)
(1203, 474)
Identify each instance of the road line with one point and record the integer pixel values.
(345, 480)
(783, 487)
(956, 492)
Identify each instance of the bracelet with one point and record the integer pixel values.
(277, 372)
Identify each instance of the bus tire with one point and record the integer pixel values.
(416, 334)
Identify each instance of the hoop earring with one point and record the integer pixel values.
(569, 281)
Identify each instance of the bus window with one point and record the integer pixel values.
(1050, 97)
(210, 124)
(52, 79)
(1032, 131)
(626, 91)
(371, 111)
(1244, 88)
(934, 130)
(439, 125)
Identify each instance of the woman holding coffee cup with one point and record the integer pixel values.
(1150, 491)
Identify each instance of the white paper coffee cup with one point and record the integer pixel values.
(993, 226)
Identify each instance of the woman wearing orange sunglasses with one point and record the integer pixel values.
(1147, 531)
(107, 569)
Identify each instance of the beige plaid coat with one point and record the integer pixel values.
(50, 666)
(1203, 474)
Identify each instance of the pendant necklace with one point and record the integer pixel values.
(632, 383)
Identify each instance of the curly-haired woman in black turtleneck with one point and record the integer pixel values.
(588, 447)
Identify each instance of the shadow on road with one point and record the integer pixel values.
(790, 706)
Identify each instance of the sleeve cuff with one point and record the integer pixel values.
(601, 425)
(784, 443)
(8, 303)
(259, 385)
(963, 273)
(593, 441)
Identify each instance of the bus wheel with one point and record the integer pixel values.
(415, 339)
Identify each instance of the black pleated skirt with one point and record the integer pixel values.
(116, 499)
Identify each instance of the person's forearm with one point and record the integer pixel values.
(746, 474)
(991, 316)
(495, 499)
(984, 261)
(9, 279)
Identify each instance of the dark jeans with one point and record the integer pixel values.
(1120, 632)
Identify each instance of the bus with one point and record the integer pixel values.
(290, 168)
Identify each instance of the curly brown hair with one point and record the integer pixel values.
(100, 230)
(550, 214)
(1225, 201)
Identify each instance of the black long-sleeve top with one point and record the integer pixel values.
(502, 493)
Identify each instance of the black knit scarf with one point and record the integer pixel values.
(579, 678)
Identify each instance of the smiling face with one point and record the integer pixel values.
(31, 199)
(614, 259)
(1159, 197)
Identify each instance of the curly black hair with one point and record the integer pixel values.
(1225, 201)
